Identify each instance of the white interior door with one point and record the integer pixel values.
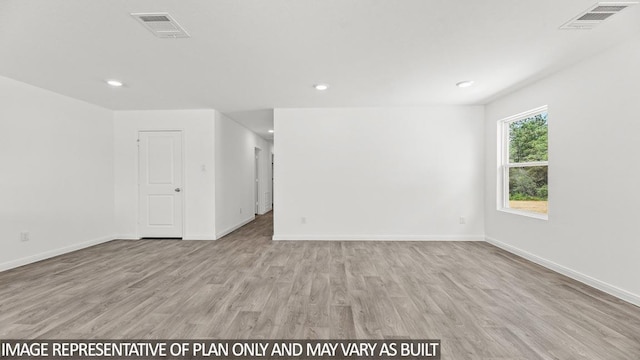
(160, 177)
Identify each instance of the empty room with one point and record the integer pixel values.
(313, 179)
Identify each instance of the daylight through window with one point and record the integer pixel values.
(525, 163)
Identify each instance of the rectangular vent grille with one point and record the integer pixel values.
(595, 15)
(161, 25)
(147, 18)
(609, 8)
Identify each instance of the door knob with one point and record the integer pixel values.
(177, 190)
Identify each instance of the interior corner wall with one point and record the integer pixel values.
(235, 167)
(379, 173)
(592, 231)
(57, 174)
(198, 152)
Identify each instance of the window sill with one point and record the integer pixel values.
(525, 213)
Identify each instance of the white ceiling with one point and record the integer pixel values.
(248, 56)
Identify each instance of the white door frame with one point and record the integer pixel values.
(258, 184)
(272, 179)
(184, 189)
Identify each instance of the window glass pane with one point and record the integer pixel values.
(528, 188)
(528, 139)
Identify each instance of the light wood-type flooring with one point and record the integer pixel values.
(482, 302)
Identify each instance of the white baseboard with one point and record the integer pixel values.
(380, 237)
(199, 237)
(51, 253)
(189, 237)
(234, 227)
(127, 237)
(586, 279)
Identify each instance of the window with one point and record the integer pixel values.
(524, 185)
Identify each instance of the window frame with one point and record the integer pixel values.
(504, 164)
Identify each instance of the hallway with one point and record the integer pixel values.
(259, 229)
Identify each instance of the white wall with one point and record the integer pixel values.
(56, 156)
(199, 189)
(234, 148)
(379, 173)
(594, 202)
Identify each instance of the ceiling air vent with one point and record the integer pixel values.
(595, 15)
(161, 25)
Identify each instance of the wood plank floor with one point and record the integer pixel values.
(482, 302)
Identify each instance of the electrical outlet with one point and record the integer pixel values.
(24, 236)
(462, 220)
(303, 220)
(240, 210)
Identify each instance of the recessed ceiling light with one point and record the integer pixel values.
(271, 131)
(321, 87)
(464, 84)
(114, 83)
